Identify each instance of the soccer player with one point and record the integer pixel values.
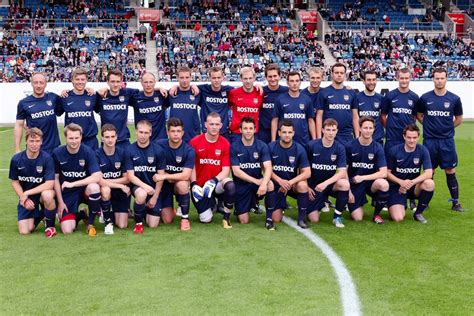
(405, 162)
(296, 107)
(338, 102)
(32, 175)
(367, 170)
(79, 108)
(249, 157)
(244, 101)
(38, 110)
(76, 181)
(327, 159)
(315, 77)
(184, 105)
(179, 159)
(146, 161)
(369, 103)
(210, 176)
(151, 104)
(290, 172)
(440, 111)
(271, 93)
(114, 189)
(398, 109)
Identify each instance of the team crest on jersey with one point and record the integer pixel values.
(156, 99)
(121, 98)
(371, 156)
(151, 159)
(224, 93)
(333, 157)
(346, 97)
(88, 103)
(301, 106)
(410, 102)
(39, 169)
(376, 105)
(191, 97)
(255, 100)
(291, 159)
(446, 105)
(82, 162)
(117, 165)
(255, 154)
(49, 102)
(416, 161)
(179, 159)
(218, 152)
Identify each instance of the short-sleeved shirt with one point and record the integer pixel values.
(185, 107)
(31, 173)
(286, 162)
(146, 162)
(151, 108)
(314, 97)
(249, 159)
(176, 159)
(266, 112)
(371, 106)
(79, 109)
(407, 165)
(215, 101)
(74, 167)
(364, 159)
(244, 104)
(115, 165)
(324, 161)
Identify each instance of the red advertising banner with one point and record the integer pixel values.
(308, 16)
(149, 15)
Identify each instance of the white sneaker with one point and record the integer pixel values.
(109, 229)
(326, 208)
(101, 218)
(338, 222)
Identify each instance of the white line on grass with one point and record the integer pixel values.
(349, 297)
(4, 169)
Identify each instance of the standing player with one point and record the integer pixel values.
(38, 110)
(185, 105)
(271, 93)
(441, 112)
(405, 162)
(327, 159)
(77, 181)
(210, 176)
(369, 103)
(249, 157)
(32, 175)
(79, 108)
(114, 189)
(296, 107)
(367, 170)
(146, 161)
(179, 159)
(312, 91)
(338, 102)
(244, 101)
(290, 172)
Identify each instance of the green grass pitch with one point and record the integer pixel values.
(400, 269)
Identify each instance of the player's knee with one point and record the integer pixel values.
(182, 187)
(105, 192)
(229, 188)
(270, 186)
(47, 196)
(167, 216)
(302, 187)
(243, 218)
(277, 216)
(381, 185)
(206, 216)
(24, 230)
(428, 185)
(357, 215)
(140, 196)
(92, 188)
(313, 217)
(342, 185)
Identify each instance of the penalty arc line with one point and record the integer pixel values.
(348, 291)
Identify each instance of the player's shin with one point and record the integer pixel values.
(453, 187)
(270, 200)
(423, 201)
(139, 210)
(342, 197)
(381, 199)
(94, 207)
(183, 202)
(303, 202)
(49, 217)
(105, 206)
(228, 198)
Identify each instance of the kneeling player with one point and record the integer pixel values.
(290, 172)
(32, 175)
(210, 176)
(327, 159)
(77, 181)
(249, 156)
(405, 162)
(367, 170)
(179, 159)
(146, 160)
(114, 188)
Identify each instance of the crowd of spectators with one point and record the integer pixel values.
(58, 53)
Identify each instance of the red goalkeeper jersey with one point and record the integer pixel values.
(244, 104)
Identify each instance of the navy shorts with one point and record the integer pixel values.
(360, 192)
(37, 212)
(264, 135)
(318, 203)
(395, 197)
(73, 198)
(91, 142)
(245, 197)
(156, 210)
(120, 201)
(166, 194)
(442, 152)
(280, 198)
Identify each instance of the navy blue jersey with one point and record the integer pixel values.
(364, 159)
(314, 97)
(400, 110)
(185, 107)
(298, 110)
(324, 161)
(371, 105)
(41, 113)
(338, 104)
(31, 173)
(115, 165)
(145, 162)
(287, 161)
(250, 159)
(176, 159)
(266, 112)
(407, 165)
(438, 113)
(152, 109)
(79, 109)
(215, 101)
(73, 167)
(114, 110)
